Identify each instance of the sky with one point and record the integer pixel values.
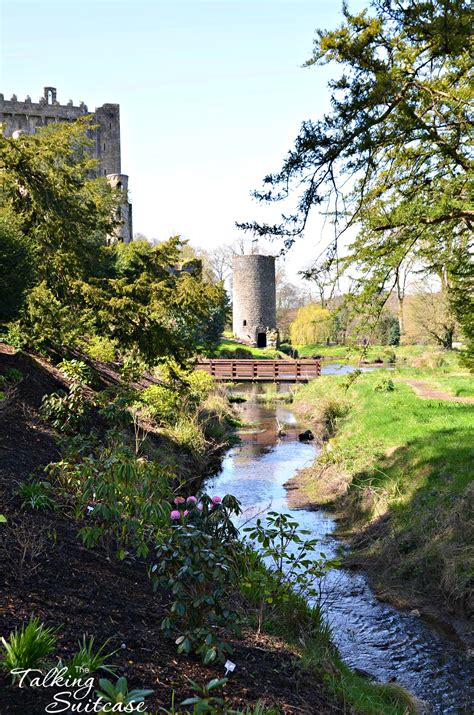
(212, 94)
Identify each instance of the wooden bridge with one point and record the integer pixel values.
(246, 370)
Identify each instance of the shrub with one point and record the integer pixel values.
(385, 384)
(195, 562)
(77, 371)
(330, 410)
(101, 349)
(23, 541)
(162, 403)
(28, 646)
(66, 411)
(291, 566)
(200, 385)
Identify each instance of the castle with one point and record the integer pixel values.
(27, 116)
(254, 300)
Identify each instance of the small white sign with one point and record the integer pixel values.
(229, 666)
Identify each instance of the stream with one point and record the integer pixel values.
(371, 636)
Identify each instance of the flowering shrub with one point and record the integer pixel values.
(196, 564)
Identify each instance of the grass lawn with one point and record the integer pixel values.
(408, 458)
(231, 346)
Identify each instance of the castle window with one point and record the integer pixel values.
(104, 146)
(244, 323)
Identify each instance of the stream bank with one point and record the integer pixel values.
(371, 636)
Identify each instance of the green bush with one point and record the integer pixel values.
(200, 385)
(66, 411)
(121, 500)
(291, 566)
(28, 647)
(385, 384)
(100, 348)
(187, 433)
(162, 404)
(196, 563)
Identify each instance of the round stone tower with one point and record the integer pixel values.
(254, 300)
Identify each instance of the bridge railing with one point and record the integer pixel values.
(246, 370)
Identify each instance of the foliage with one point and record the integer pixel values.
(36, 495)
(66, 412)
(393, 156)
(205, 701)
(118, 693)
(385, 384)
(290, 563)
(119, 498)
(28, 646)
(87, 659)
(84, 288)
(312, 324)
(195, 562)
(16, 266)
(387, 330)
(99, 348)
(162, 403)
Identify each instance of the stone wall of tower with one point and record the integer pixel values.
(254, 299)
(123, 232)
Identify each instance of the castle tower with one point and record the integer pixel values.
(254, 300)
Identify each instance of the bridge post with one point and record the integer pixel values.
(234, 369)
(275, 367)
(298, 369)
(255, 369)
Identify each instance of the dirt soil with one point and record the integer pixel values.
(428, 392)
(82, 592)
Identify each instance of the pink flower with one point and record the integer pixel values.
(186, 512)
(191, 500)
(216, 500)
(175, 514)
(199, 506)
(179, 500)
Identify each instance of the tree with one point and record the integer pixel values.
(140, 296)
(16, 266)
(392, 158)
(432, 315)
(312, 324)
(63, 213)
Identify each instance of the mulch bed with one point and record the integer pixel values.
(84, 593)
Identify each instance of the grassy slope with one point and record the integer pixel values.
(412, 459)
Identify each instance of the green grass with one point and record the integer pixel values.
(427, 356)
(230, 346)
(458, 384)
(411, 458)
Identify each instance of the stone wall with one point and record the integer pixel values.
(254, 300)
